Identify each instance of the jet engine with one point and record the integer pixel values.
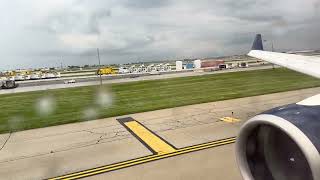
(282, 143)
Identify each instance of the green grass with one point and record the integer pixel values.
(18, 111)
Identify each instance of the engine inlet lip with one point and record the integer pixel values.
(309, 150)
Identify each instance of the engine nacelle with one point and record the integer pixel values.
(281, 144)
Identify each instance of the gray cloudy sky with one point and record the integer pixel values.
(38, 33)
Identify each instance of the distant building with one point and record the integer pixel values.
(179, 65)
(211, 63)
(197, 64)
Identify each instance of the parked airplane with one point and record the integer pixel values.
(282, 143)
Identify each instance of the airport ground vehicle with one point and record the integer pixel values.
(134, 75)
(19, 77)
(8, 84)
(71, 81)
(223, 66)
(35, 76)
(243, 65)
(106, 71)
(123, 70)
(154, 73)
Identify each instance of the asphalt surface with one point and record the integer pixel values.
(61, 150)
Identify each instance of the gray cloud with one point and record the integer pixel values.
(146, 3)
(44, 33)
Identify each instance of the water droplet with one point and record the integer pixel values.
(45, 105)
(90, 113)
(104, 98)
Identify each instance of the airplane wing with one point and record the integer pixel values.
(305, 64)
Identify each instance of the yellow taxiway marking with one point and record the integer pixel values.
(146, 159)
(153, 141)
(230, 119)
(158, 146)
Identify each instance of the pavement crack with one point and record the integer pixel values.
(4, 144)
(107, 135)
(96, 133)
(92, 132)
(100, 138)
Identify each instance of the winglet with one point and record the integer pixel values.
(257, 44)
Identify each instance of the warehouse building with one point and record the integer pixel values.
(211, 64)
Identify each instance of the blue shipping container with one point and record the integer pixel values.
(189, 66)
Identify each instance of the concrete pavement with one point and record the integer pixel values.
(210, 164)
(54, 151)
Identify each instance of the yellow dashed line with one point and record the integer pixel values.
(153, 141)
(230, 119)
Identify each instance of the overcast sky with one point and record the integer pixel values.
(37, 33)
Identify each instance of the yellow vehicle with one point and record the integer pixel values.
(10, 73)
(106, 71)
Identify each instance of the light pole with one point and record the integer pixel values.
(272, 51)
(99, 66)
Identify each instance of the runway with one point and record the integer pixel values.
(194, 142)
(39, 85)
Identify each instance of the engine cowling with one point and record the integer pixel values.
(281, 144)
